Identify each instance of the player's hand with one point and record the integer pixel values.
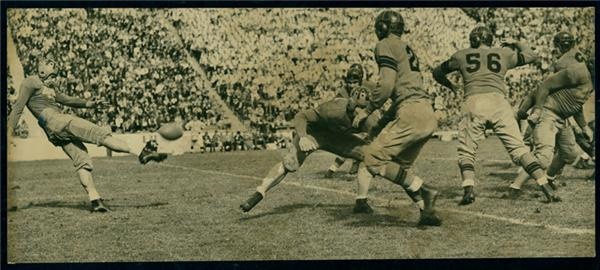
(588, 133)
(534, 117)
(360, 115)
(308, 143)
(95, 103)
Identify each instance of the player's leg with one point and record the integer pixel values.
(354, 168)
(337, 163)
(471, 131)
(568, 152)
(364, 178)
(82, 162)
(507, 130)
(393, 142)
(293, 159)
(90, 132)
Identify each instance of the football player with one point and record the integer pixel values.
(39, 94)
(558, 98)
(327, 127)
(395, 149)
(354, 78)
(483, 68)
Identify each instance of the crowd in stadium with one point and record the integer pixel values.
(266, 64)
(124, 57)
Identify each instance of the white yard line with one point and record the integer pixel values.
(555, 228)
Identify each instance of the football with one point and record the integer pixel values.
(170, 131)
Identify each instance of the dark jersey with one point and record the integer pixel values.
(571, 89)
(333, 116)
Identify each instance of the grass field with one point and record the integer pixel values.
(186, 209)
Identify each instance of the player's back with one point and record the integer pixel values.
(483, 69)
(394, 53)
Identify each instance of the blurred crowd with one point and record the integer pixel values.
(124, 57)
(265, 64)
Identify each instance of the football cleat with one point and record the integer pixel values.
(98, 206)
(362, 207)
(553, 184)
(468, 196)
(149, 153)
(251, 202)
(354, 168)
(429, 218)
(549, 193)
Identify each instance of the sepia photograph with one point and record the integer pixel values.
(286, 133)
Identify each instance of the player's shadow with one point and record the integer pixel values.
(86, 205)
(286, 209)
(377, 219)
(343, 212)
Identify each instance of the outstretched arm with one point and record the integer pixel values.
(71, 101)
(25, 91)
(439, 73)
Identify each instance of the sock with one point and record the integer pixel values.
(421, 204)
(416, 183)
(541, 181)
(468, 182)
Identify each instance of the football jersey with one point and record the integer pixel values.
(483, 69)
(574, 89)
(392, 52)
(333, 116)
(573, 56)
(38, 97)
(345, 93)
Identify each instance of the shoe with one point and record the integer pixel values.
(99, 206)
(553, 184)
(549, 193)
(149, 153)
(362, 207)
(354, 168)
(429, 218)
(468, 196)
(329, 174)
(251, 202)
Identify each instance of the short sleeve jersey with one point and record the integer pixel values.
(574, 90)
(483, 69)
(392, 52)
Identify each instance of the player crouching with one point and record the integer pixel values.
(327, 127)
(70, 132)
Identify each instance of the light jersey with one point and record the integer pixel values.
(571, 57)
(38, 97)
(483, 69)
(392, 52)
(575, 89)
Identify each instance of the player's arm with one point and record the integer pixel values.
(307, 142)
(388, 68)
(439, 73)
(524, 55)
(525, 106)
(25, 91)
(74, 102)
(303, 118)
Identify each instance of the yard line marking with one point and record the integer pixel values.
(477, 214)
